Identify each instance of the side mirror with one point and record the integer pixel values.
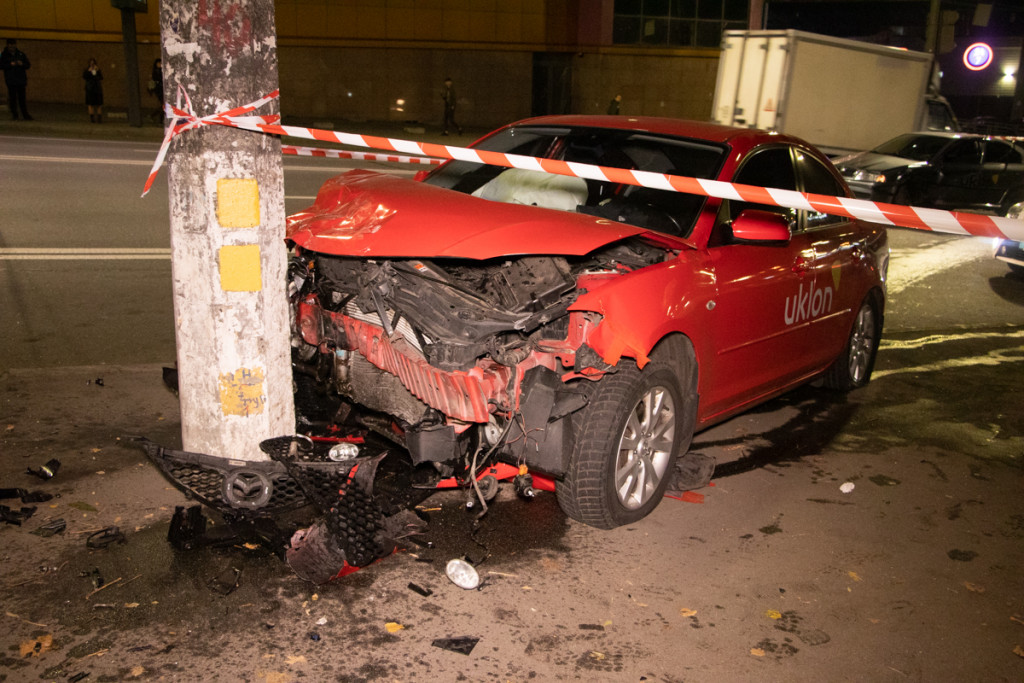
(755, 225)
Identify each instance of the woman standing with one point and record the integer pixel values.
(94, 91)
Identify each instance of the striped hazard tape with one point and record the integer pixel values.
(358, 156)
(934, 220)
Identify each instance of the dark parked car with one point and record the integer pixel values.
(951, 171)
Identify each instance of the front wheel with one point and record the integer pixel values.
(852, 369)
(636, 425)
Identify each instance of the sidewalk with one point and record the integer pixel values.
(72, 121)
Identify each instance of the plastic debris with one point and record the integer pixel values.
(51, 528)
(187, 527)
(105, 537)
(463, 645)
(462, 574)
(847, 487)
(314, 636)
(78, 677)
(15, 517)
(425, 592)
(25, 496)
(47, 471)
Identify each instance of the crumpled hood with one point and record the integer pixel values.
(369, 214)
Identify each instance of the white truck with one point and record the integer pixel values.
(840, 95)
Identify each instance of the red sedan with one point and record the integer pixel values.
(575, 326)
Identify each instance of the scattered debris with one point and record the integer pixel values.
(51, 528)
(692, 471)
(462, 574)
(105, 537)
(425, 592)
(463, 645)
(25, 496)
(187, 527)
(314, 636)
(321, 621)
(47, 471)
(226, 582)
(847, 487)
(15, 517)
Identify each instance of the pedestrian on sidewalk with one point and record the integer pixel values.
(613, 106)
(448, 95)
(14, 63)
(94, 91)
(156, 87)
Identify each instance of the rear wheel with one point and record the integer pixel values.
(852, 369)
(636, 425)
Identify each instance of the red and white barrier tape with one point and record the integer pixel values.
(358, 156)
(936, 220)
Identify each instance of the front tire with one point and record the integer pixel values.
(852, 369)
(636, 425)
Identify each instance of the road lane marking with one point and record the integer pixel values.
(82, 254)
(333, 169)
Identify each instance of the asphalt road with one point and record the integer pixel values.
(914, 575)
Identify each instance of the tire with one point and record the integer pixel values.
(852, 369)
(615, 478)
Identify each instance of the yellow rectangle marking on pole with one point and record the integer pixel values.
(238, 202)
(240, 268)
(242, 393)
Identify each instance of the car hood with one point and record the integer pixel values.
(870, 161)
(364, 213)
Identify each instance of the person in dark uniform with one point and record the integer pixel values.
(448, 95)
(14, 63)
(94, 91)
(613, 107)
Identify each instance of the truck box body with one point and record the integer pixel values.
(838, 94)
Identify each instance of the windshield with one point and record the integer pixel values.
(665, 211)
(915, 147)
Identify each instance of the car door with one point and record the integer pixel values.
(1004, 174)
(760, 312)
(959, 183)
(836, 280)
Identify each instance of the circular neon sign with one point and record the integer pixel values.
(977, 56)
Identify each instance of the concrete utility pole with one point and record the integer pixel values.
(227, 231)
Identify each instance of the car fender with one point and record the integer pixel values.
(641, 308)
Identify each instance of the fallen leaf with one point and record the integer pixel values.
(314, 597)
(131, 605)
(773, 614)
(36, 646)
(974, 587)
(137, 671)
(1017, 618)
(853, 575)
(607, 623)
(875, 621)
(596, 656)
(10, 428)
(393, 627)
(1019, 651)
(295, 659)
(757, 652)
(684, 612)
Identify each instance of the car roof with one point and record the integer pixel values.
(739, 138)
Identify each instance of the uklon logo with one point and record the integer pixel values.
(811, 301)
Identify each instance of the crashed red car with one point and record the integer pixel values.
(581, 328)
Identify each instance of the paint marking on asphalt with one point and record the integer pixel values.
(903, 344)
(76, 160)
(910, 266)
(996, 357)
(82, 254)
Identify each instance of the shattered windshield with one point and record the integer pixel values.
(915, 147)
(665, 211)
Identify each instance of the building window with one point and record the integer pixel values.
(676, 23)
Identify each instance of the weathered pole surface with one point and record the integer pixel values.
(227, 231)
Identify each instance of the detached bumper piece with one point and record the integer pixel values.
(351, 533)
(231, 487)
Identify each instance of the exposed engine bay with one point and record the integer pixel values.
(460, 355)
